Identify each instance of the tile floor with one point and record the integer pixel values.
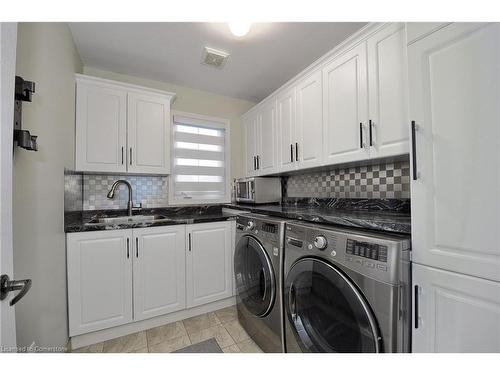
(222, 325)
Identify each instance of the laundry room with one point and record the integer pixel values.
(215, 184)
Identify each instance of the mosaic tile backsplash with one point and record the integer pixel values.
(384, 180)
(150, 191)
(73, 191)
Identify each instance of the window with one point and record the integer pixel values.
(200, 160)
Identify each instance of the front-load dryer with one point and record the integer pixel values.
(346, 291)
(258, 264)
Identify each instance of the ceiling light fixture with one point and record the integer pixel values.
(239, 29)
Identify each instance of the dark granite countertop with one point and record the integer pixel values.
(389, 215)
(78, 221)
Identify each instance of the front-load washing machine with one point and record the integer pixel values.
(258, 265)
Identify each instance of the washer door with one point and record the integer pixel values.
(254, 275)
(326, 312)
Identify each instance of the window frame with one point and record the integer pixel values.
(225, 124)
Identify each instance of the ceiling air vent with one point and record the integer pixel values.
(214, 57)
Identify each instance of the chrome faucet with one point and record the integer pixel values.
(111, 193)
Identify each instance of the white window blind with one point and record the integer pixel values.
(199, 160)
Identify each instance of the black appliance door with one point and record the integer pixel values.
(326, 311)
(243, 190)
(255, 281)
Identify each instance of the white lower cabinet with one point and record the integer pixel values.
(122, 276)
(99, 268)
(208, 263)
(454, 312)
(159, 271)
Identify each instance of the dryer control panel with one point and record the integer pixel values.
(372, 254)
(367, 250)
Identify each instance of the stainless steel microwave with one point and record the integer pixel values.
(258, 190)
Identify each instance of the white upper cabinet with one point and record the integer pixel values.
(121, 128)
(454, 85)
(309, 126)
(250, 130)
(101, 127)
(99, 266)
(267, 154)
(208, 262)
(455, 313)
(159, 271)
(286, 126)
(388, 131)
(148, 133)
(345, 110)
(351, 106)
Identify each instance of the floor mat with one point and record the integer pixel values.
(209, 346)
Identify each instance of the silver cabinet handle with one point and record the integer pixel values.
(414, 149)
(189, 236)
(137, 247)
(122, 155)
(128, 248)
(416, 306)
(130, 155)
(361, 135)
(7, 285)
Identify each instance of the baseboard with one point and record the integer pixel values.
(126, 329)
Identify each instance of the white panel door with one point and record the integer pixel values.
(286, 130)
(249, 131)
(309, 133)
(456, 313)
(345, 107)
(101, 127)
(208, 263)
(99, 268)
(267, 141)
(159, 271)
(454, 82)
(148, 133)
(388, 132)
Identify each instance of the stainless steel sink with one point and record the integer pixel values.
(127, 219)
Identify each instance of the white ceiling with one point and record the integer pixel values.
(268, 56)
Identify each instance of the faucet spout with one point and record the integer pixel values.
(111, 193)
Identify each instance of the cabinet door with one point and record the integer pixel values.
(418, 30)
(267, 140)
(208, 263)
(345, 107)
(310, 121)
(454, 96)
(456, 313)
(101, 127)
(148, 133)
(250, 132)
(286, 126)
(159, 271)
(99, 266)
(388, 103)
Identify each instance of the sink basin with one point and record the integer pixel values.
(127, 219)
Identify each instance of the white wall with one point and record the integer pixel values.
(46, 55)
(200, 102)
